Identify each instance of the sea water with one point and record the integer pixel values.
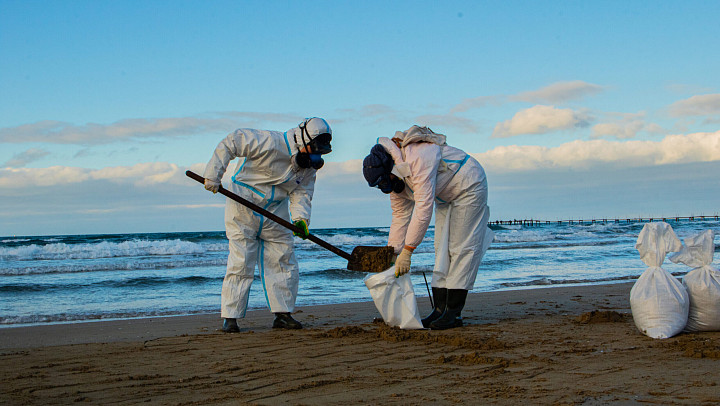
(56, 279)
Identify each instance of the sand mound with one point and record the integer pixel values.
(457, 338)
(342, 332)
(695, 346)
(600, 316)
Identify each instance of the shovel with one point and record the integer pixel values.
(363, 258)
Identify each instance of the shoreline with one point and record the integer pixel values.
(555, 345)
(167, 319)
(148, 328)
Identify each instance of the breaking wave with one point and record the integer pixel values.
(104, 249)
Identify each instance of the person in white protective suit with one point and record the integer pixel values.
(419, 170)
(277, 172)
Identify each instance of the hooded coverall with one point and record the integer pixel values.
(436, 174)
(270, 178)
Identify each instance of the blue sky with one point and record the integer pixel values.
(575, 109)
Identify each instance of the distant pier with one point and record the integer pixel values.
(533, 222)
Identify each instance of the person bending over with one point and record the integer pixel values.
(276, 172)
(420, 171)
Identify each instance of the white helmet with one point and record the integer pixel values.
(309, 129)
(312, 137)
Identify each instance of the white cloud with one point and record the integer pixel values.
(59, 132)
(477, 102)
(573, 179)
(556, 93)
(618, 130)
(540, 119)
(654, 128)
(606, 191)
(463, 124)
(673, 149)
(624, 126)
(701, 105)
(29, 177)
(156, 207)
(559, 92)
(23, 158)
(143, 175)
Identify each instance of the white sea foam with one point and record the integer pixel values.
(69, 317)
(107, 249)
(346, 239)
(13, 240)
(17, 269)
(522, 236)
(355, 240)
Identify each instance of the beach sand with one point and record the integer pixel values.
(560, 345)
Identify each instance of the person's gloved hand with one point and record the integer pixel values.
(402, 264)
(212, 185)
(302, 225)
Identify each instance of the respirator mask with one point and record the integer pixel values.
(318, 146)
(389, 184)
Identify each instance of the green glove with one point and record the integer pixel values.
(302, 225)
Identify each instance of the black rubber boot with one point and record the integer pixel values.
(451, 318)
(440, 301)
(230, 326)
(285, 320)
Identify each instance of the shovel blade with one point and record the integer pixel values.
(370, 259)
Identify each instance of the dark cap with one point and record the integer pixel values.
(377, 166)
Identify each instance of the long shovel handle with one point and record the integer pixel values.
(252, 206)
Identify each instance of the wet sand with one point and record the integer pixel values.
(558, 346)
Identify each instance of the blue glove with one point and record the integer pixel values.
(302, 225)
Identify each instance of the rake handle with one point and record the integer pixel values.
(254, 207)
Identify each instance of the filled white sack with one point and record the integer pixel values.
(702, 283)
(394, 299)
(659, 302)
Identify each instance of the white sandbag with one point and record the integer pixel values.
(659, 302)
(394, 299)
(702, 283)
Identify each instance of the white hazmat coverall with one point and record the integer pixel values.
(268, 177)
(453, 182)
